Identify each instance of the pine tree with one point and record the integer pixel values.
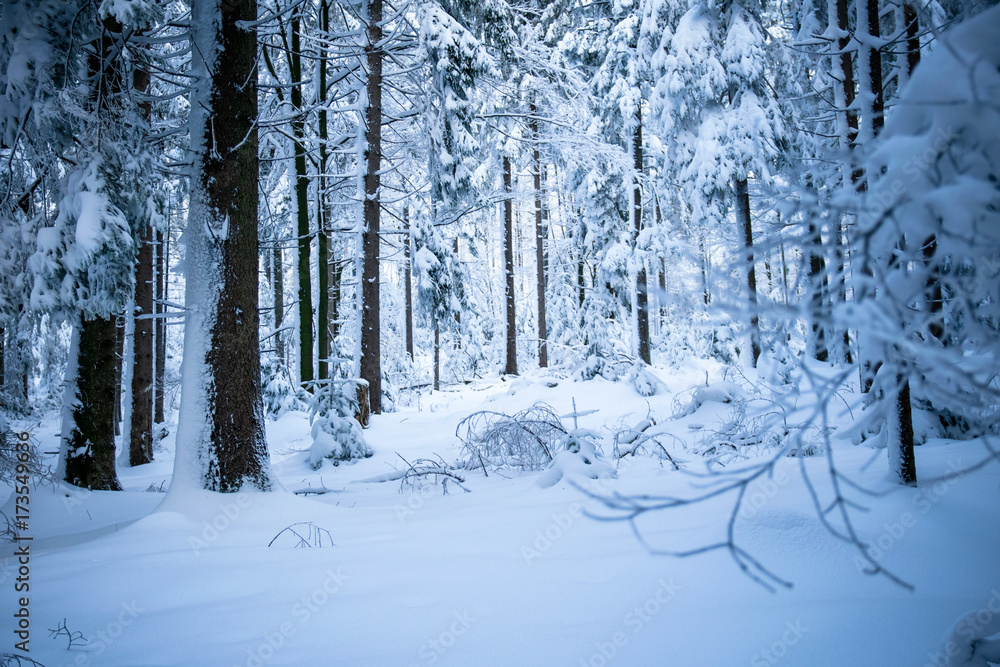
(220, 437)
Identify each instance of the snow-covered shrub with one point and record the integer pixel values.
(336, 433)
(576, 455)
(527, 440)
(643, 380)
(717, 392)
(279, 394)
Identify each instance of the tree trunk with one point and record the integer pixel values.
(408, 282)
(743, 220)
(141, 429)
(160, 328)
(371, 363)
(817, 298)
(437, 355)
(323, 210)
(641, 295)
(143, 338)
(118, 361)
(540, 234)
(90, 442)
(906, 471)
(221, 444)
(306, 362)
(278, 286)
(508, 267)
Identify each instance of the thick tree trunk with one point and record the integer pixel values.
(540, 234)
(222, 422)
(371, 363)
(508, 268)
(743, 221)
(306, 361)
(408, 282)
(90, 443)
(641, 294)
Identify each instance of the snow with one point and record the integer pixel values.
(516, 571)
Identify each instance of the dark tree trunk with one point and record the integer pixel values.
(371, 363)
(875, 66)
(641, 295)
(408, 282)
(743, 221)
(3, 370)
(119, 360)
(160, 368)
(540, 234)
(508, 268)
(817, 298)
(90, 443)
(141, 429)
(143, 339)
(306, 363)
(237, 456)
(907, 472)
(323, 210)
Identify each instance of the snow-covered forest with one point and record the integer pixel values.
(556, 332)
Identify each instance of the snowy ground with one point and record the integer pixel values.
(510, 573)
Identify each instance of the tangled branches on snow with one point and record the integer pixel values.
(526, 440)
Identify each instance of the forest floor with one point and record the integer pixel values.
(513, 569)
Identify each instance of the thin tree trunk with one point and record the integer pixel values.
(540, 234)
(278, 286)
(143, 338)
(817, 298)
(437, 355)
(306, 362)
(119, 360)
(371, 363)
(141, 428)
(641, 295)
(408, 281)
(160, 368)
(3, 370)
(743, 220)
(323, 210)
(508, 267)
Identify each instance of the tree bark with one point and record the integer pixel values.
(408, 282)
(743, 220)
(160, 368)
(225, 249)
(141, 429)
(508, 267)
(323, 210)
(90, 443)
(306, 361)
(143, 338)
(371, 363)
(641, 294)
(540, 234)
